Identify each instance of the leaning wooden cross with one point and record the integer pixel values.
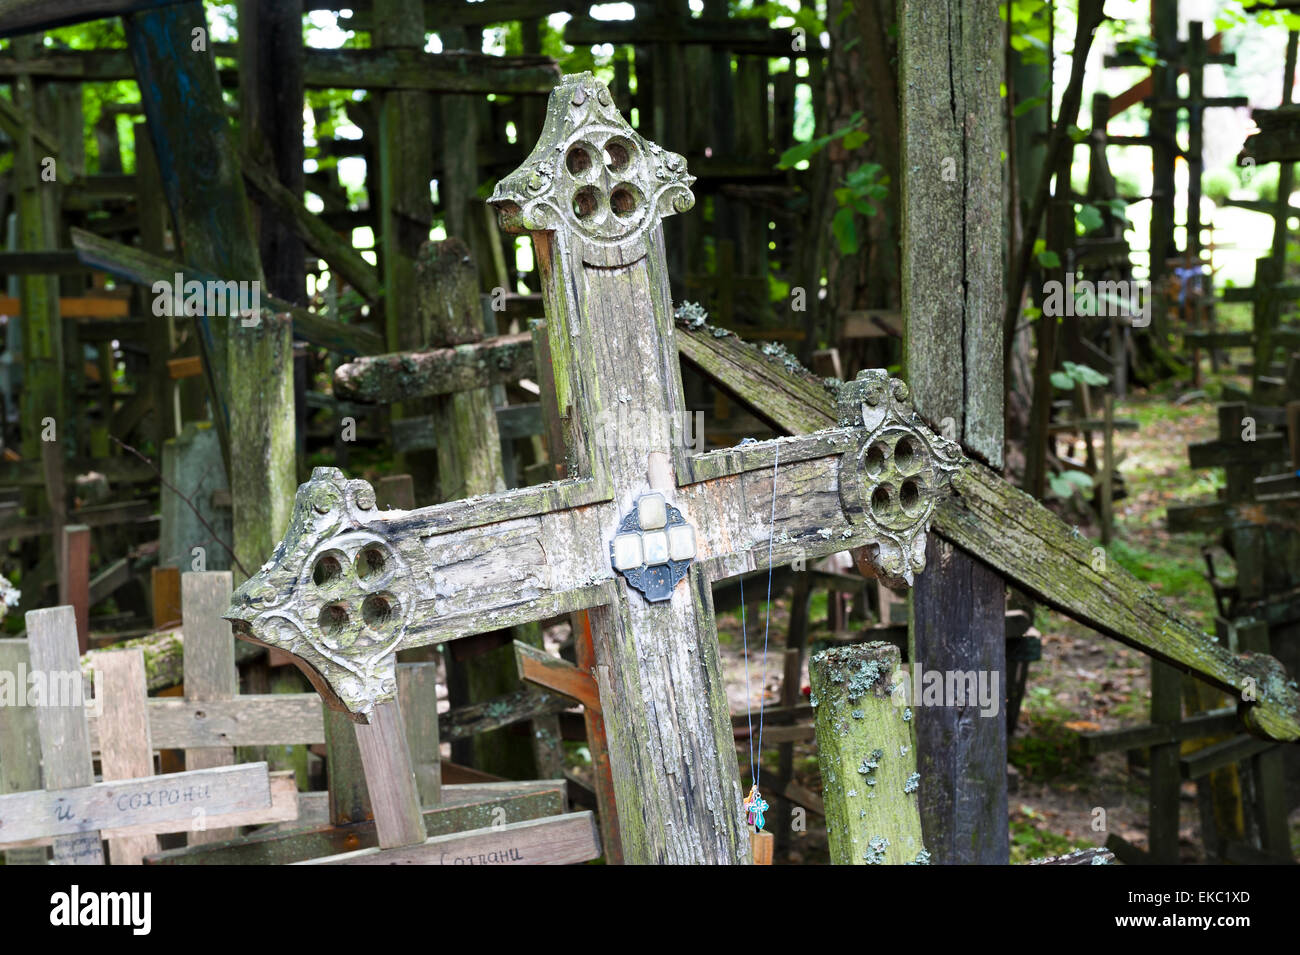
(639, 530)
(73, 812)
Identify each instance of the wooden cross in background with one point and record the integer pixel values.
(639, 529)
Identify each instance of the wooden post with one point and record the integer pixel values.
(866, 755)
(125, 747)
(20, 747)
(390, 777)
(74, 579)
(210, 673)
(65, 743)
(262, 427)
(952, 300)
(417, 692)
(1108, 471)
(249, 367)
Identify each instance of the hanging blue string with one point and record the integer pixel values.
(754, 803)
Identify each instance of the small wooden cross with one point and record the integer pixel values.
(637, 532)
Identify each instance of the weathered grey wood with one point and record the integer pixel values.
(952, 294)
(139, 266)
(65, 749)
(464, 807)
(24, 16)
(867, 756)
(126, 750)
(1024, 541)
(417, 692)
(556, 840)
(439, 371)
(20, 748)
(252, 719)
(262, 427)
(285, 809)
(164, 656)
(79, 813)
(209, 664)
(390, 777)
(483, 563)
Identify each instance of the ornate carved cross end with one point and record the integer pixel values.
(898, 475)
(593, 178)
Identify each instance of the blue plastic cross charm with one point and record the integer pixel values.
(755, 805)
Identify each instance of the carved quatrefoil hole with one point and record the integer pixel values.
(328, 572)
(381, 612)
(625, 199)
(371, 565)
(619, 153)
(587, 203)
(333, 622)
(578, 159)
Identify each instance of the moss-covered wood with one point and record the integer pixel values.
(867, 756)
(438, 371)
(1028, 544)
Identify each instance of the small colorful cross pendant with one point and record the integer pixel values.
(755, 805)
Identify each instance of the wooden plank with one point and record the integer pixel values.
(26, 16)
(556, 840)
(464, 807)
(547, 672)
(189, 366)
(141, 267)
(126, 751)
(20, 747)
(210, 673)
(166, 597)
(79, 813)
(417, 692)
(455, 72)
(75, 307)
(74, 579)
(255, 719)
(390, 777)
(1025, 542)
(439, 371)
(65, 749)
(1213, 723)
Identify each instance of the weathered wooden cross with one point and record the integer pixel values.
(638, 531)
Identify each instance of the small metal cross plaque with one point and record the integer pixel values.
(640, 529)
(654, 547)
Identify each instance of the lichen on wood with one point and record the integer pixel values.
(867, 760)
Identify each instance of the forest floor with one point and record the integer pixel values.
(1083, 683)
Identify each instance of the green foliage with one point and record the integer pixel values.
(862, 188)
(851, 133)
(779, 15)
(1065, 484)
(1031, 29)
(1236, 13)
(1076, 374)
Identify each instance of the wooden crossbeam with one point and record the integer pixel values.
(553, 840)
(465, 806)
(75, 307)
(325, 69)
(539, 668)
(29, 16)
(1020, 538)
(439, 371)
(144, 269)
